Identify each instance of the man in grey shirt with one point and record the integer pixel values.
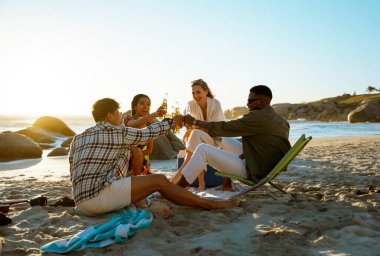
(264, 140)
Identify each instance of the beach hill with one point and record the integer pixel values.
(351, 108)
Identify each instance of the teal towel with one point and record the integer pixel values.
(122, 226)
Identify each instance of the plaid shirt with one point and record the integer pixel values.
(100, 155)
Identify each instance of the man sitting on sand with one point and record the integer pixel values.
(265, 141)
(99, 162)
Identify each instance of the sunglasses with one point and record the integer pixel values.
(252, 100)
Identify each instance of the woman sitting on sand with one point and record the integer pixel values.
(204, 107)
(141, 118)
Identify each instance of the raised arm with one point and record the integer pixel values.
(135, 136)
(143, 121)
(240, 127)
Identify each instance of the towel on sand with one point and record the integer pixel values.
(215, 193)
(122, 226)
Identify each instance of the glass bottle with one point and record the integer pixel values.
(165, 103)
(176, 112)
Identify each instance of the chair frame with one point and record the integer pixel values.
(280, 166)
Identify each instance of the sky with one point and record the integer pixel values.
(59, 57)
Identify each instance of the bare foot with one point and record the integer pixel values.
(201, 188)
(143, 203)
(226, 188)
(234, 202)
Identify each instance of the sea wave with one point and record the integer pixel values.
(297, 127)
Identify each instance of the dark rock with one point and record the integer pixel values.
(45, 146)
(162, 149)
(37, 134)
(46, 140)
(175, 141)
(15, 146)
(53, 124)
(67, 142)
(59, 152)
(165, 148)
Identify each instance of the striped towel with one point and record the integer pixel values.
(122, 226)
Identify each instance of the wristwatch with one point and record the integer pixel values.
(169, 120)
(195, 122)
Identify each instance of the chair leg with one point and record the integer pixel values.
(277, 187)
(253, 187)
(270, 194)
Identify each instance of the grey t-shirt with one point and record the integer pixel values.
(264, 136)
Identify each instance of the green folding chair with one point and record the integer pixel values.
(281, 166)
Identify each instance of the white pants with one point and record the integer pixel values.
(197, 137)
(232, 146)
(219, 159)
(227, 144)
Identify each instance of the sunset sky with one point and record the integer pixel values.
(58, 57)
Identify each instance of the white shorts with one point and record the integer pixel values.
(112, 197)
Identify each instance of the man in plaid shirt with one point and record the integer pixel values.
(99, 163)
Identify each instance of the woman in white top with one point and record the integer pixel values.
(204, 107)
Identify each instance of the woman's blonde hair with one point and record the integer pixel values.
(204, 86)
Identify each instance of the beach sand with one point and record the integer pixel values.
(334, 210)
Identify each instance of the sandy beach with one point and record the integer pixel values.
(333, 209)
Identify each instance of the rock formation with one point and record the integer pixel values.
(368, 111)
(166, 147)
(59, 151)
(37, 134)
(55, 125)
(67, 142)
(15, 146)
(341, 108)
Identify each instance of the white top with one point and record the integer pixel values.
(214, 110)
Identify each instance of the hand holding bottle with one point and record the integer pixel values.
(188, 120)
(164, 104)
(178, 123)
(161, 111)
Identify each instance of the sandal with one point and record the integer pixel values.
(4, 220)
(65, 201)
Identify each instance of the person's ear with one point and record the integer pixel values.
(109, 117)
(264, 101)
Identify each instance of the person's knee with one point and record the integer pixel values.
(196, 133)
(137, 152)
(203, 147)
(161, 180)
(195, 137)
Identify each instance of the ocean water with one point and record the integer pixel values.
(297, 127)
